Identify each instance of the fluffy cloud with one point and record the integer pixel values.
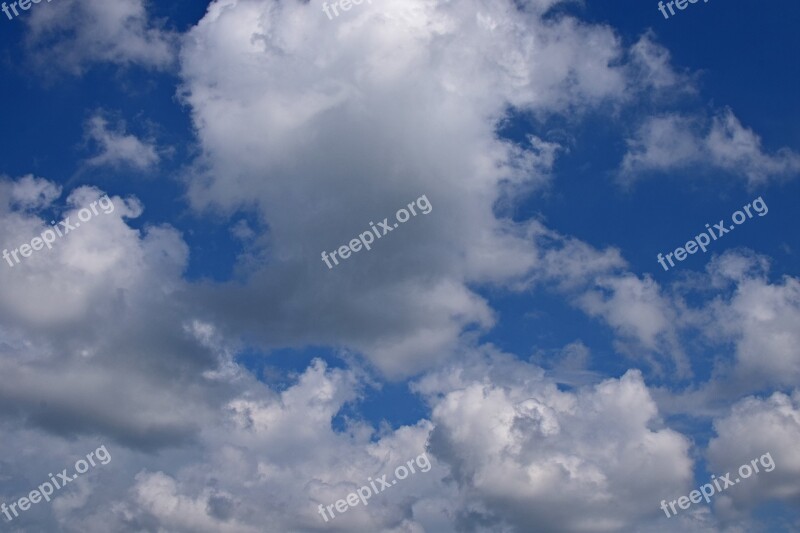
(29, 192)
(763, 319)
(244, 461)
(755, 427)
(317, 128)
(72, 35)
(750, 327)
(524, 452)
(673, 141)
(597, 282)
(299, 116)
(118, 148)
(501, 437)
(638, 312)
(653, 64)
(752, 323)
(57, 310)
(254, 467)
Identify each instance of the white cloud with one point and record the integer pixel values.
(317, 128)
(161, 497)
(749, 326)
(501, 438)
(255, 467)
(638, 312)
(351, 119)
(572, 263)
(597, 282)
(30, 192)
(654, 69)
(119, 148)
(760, 319)
(244, 460)
(523, 452)
(662, 143)
(72, 35)
(755, 427)
(56, 312)
(672, 141)
(738, 149)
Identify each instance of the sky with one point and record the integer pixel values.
(260, 254)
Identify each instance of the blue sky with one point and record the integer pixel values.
(522, 334)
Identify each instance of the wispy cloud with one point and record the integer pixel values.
(117, 147)
(674, 141)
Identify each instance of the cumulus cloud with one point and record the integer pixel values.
(254, 467)
(753, 428)
(243, 460)
(198, 443)
(117, 147)
(30, 192)
(524, 452)
(72, 35)
(500, 437)
(638, 311)
(673, 142)
(760, 318)
(370, 113)
(314, 129)
(750, 327)
(652, 64)
(598, 283)
(56, 310)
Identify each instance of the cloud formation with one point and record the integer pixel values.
(311, 130)
(72, 35)
(373, 111)
(673, 141)
(118, 148)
